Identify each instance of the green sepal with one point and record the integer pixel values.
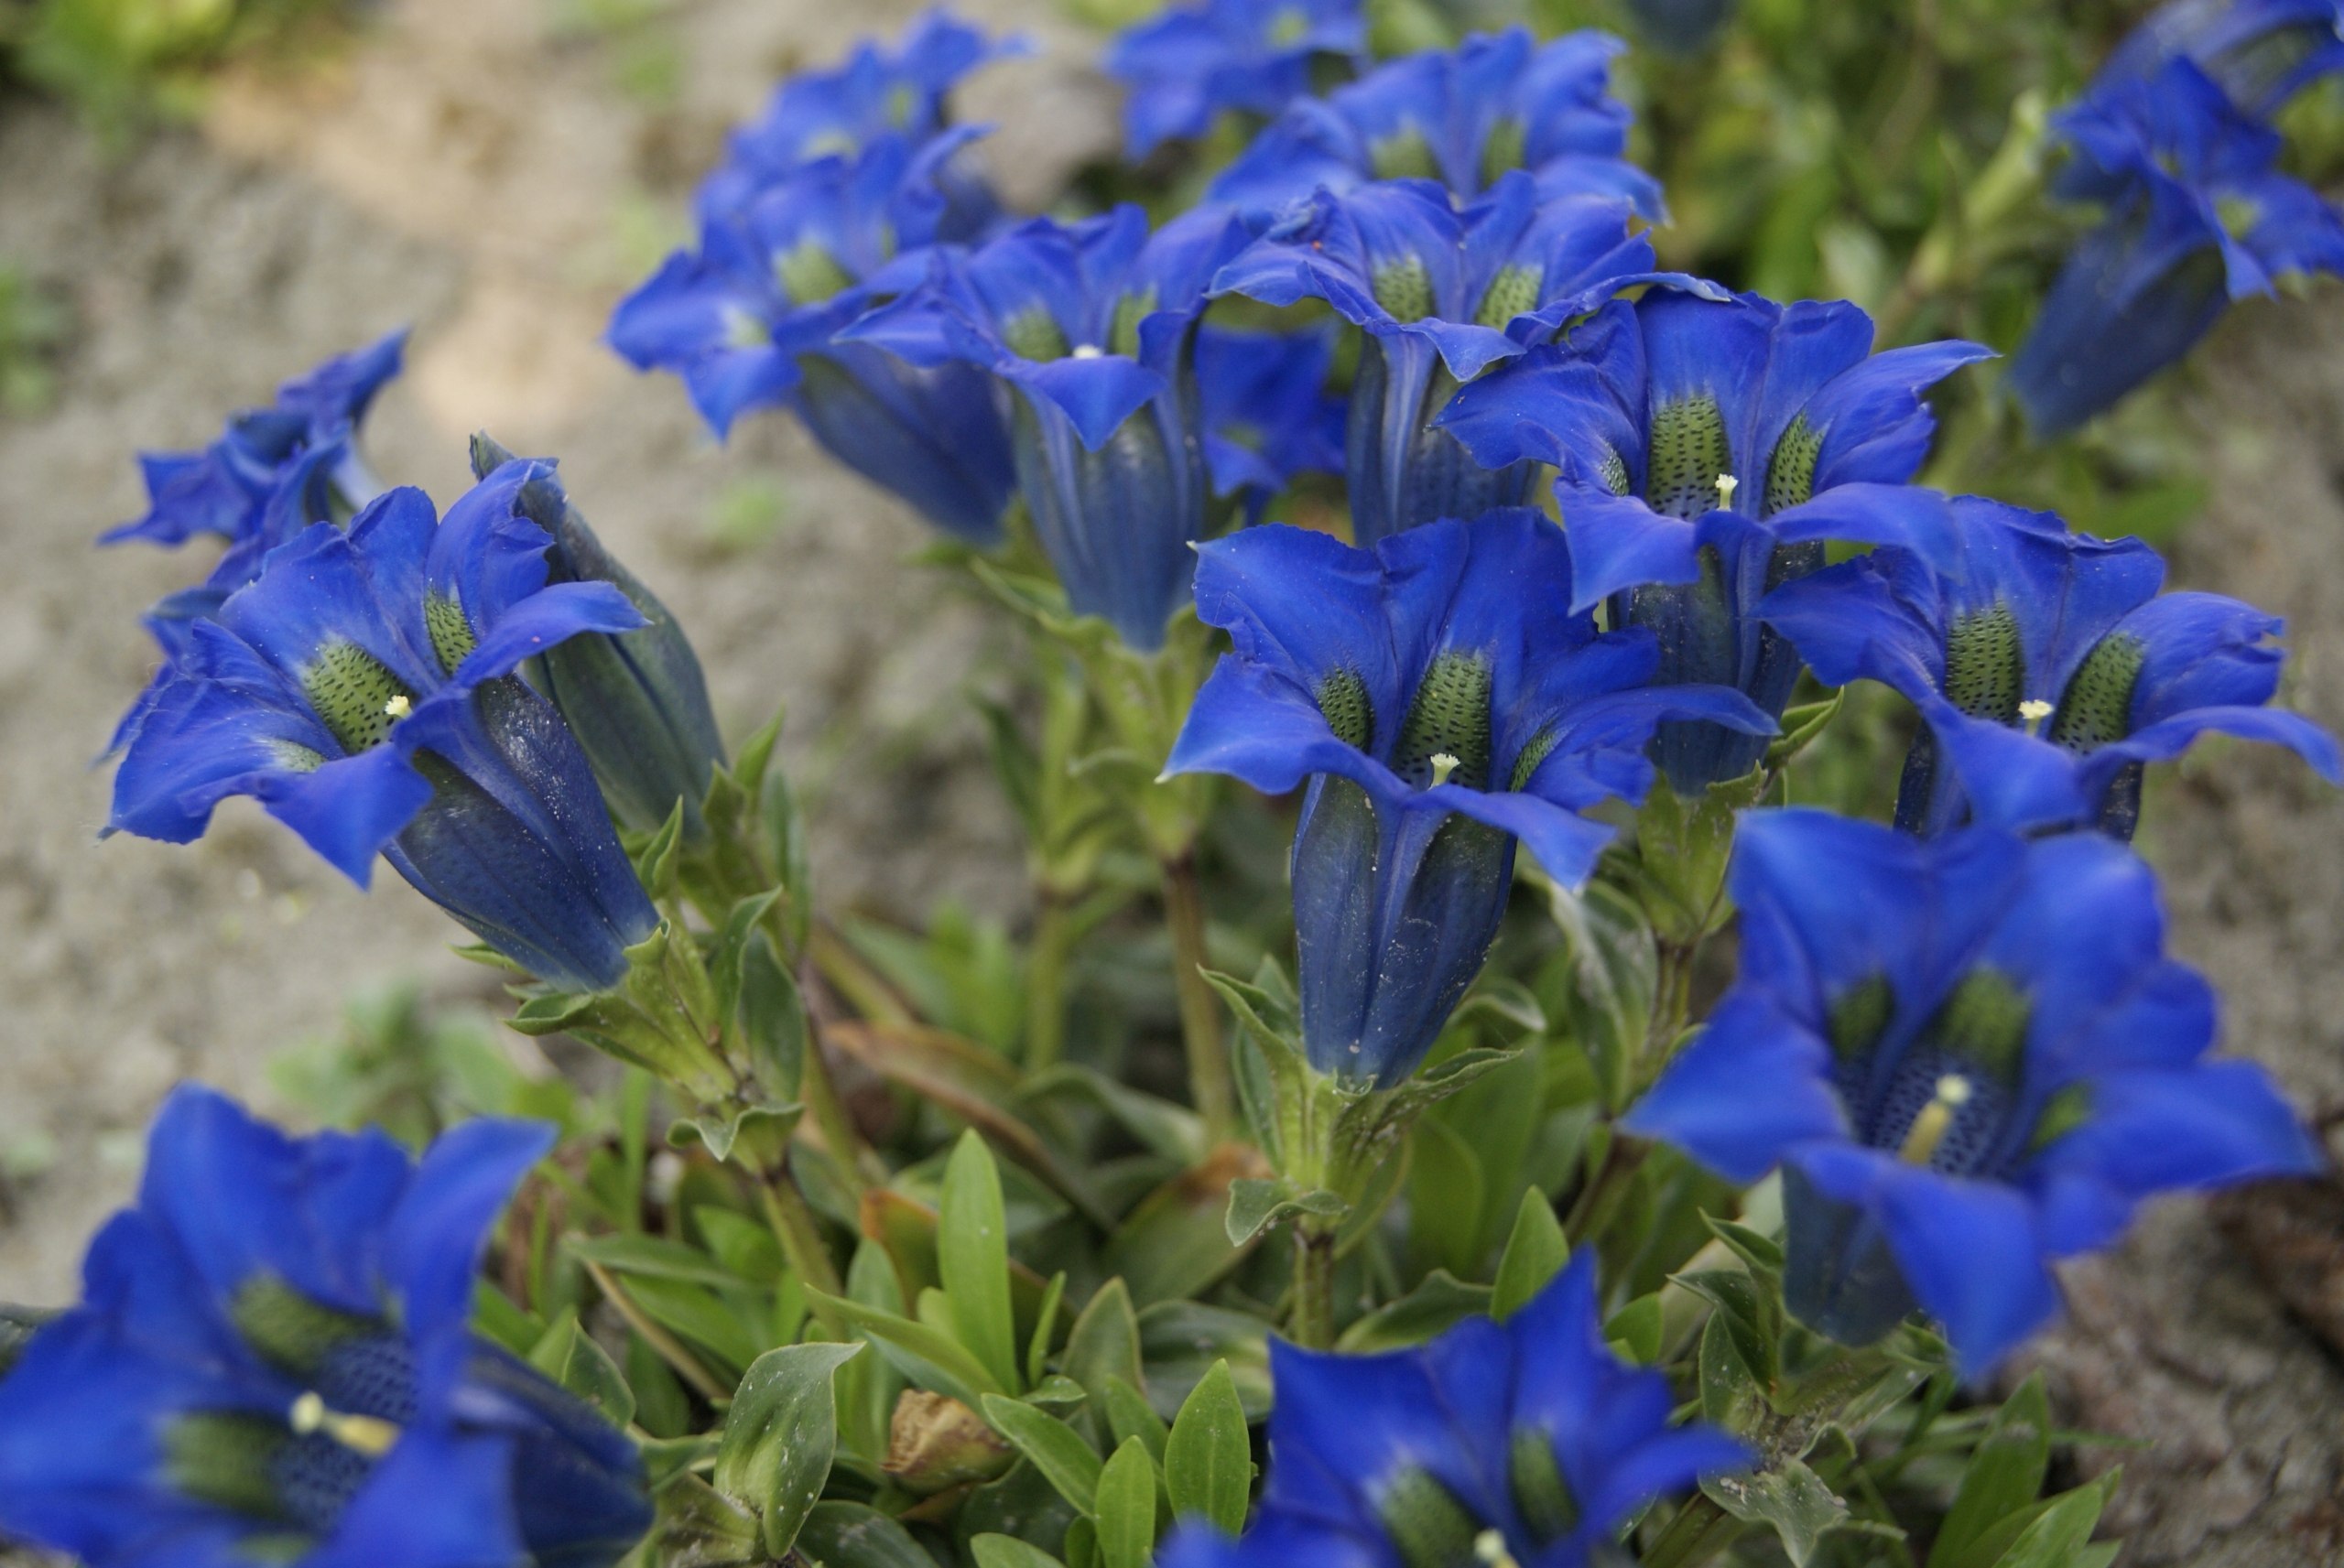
(1801, 727)
(764, 1128)
(663, 1017)
(1677, 867)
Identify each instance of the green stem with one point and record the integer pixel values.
(1699, 1532)
(802, 1243)
(1046, 966)
(1210, 1083)
(670, 1349)
(1312, 1322)
(858, 1166)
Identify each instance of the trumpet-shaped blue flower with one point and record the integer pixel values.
(360, 689)
(748, 320)
(635, 701)
(1975, 1057)
(1442, 295)
(1460, 117)
(1708, 449)
(2259, 52)
(2048, 666)
(271, 1362)
(1188, 65)
(843, 113)
(2198, 216)
(1442, 700)
(1267, 414)
(1088, 331)
(294, 459)
(1531, 1429)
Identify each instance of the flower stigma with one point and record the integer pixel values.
(1489, 1547)
(366, 1434)
(1443, 764)
(1726, 485)
(399, 707)
(2034, 711)
(1929, 1127)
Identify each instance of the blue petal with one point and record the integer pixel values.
(433, 1241)
(1703, 1104)
(438, 1499)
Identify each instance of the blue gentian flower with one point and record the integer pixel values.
(272, 1363)
(842, 113)
(2198, 216)
(1975, 1059)
(294, 455)
(1460, 117)
(1188, 65)
(2048, 667)
(635, 701)
(1680, 26)
(2259, 52)
(1441, 296)
(1268, 416)
(1526, 1442)
(1707, 448)
(361, 688)
(1442, 700)
(748, 320)
(1088, 332)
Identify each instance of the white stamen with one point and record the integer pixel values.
(1443, 764)
(1087, 351)
(1491, 1548)
(2034, 711)
(1929, 1127)
(1726, 485)
(398, 707)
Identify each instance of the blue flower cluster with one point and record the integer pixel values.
(2172, 142)
(273, 1362)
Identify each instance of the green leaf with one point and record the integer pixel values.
(1104, 1342)
(1635, 1329)
(1175, 1244)
(2005, 1474)
(2062, 1532)
(854, 1535)
(1613, 972)
(1126, 1512)
(1008, 1551)
(1209, 1458)
(1793, 1500)
(1763, 1253)
(1181, 1340)
(1439, 1303)
(695, 1313)
(571, 1358)
(1535, 1254)
(1256, 1204)
(926, 1356)
(780, 1437)
(1056, 1449)
(1446, 1183)
(1172, 1131)
(1731, 1394)
(1750, 1313)
(651, 1257)
(1800, 726)
(973, 1253)
(1129, 1415)
(1045, 1328)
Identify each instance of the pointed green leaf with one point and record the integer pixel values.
(1104, 1342)
(779, 1438)
(927, 1356)
(1130, 1415)
(1793, 1500)
(2062, 1531)
(2005, 1474)
(854, 1535)
(1209, 1458)
(1056, 1449)
(1439, 1303)
(1007, 1551)
(1535, 1254)
(571, 1358)
(1256, 1204)
(1635, 1329)
(972, 1254)
(1125, 1513)
(1045, 1328)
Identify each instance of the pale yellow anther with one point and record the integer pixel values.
(1087, 351)
(366, 1434)
(1726, 485)
(1491, 1548)
(2034, 711)
(398, 707)
(1929, 1127)
(1443, 764)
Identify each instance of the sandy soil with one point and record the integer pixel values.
(468, 171)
